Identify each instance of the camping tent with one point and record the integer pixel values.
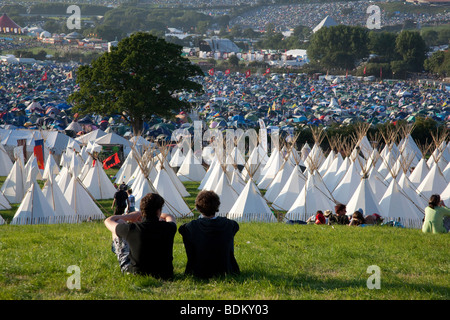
(34, 208)
(251, 206)
(9, 26)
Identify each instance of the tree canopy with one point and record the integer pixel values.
(339, 46)
(138, 79)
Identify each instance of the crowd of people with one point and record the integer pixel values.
(143, 240)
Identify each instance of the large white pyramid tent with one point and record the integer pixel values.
(191, 169)
(227, 195)
(255, 163)
(326, 22)
(251, 206)
(419, 173)
(97, 182)
(64, 213)
(5, 162)
(177, 158)
(34, 208)
(312, 198)
(331, 177)
(433, 183)
(14, 186)
(141, 187)
(174, 202)
(279, 181)
(377, 183)
(346, 187)
(290, 191)
(271, 169)
(395, 205)
(82, 202)
(63, 178)
(51, 167)
(410, 191)
(128, 167)
(363, 198)
(236, 181)
(2, 221)
(211, 175)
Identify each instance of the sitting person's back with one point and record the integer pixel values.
(151, 246)
(435, 213)
(209, 240)
(143, 240)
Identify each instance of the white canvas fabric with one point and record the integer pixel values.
(34, 208)
(251, 206)
(97, 182)
(82, 202)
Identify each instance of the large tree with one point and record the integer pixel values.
(412, 48)
(339, 46)
(138, 79)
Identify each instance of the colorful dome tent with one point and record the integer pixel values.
(9, 26)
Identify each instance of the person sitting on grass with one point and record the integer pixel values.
(143, 240)
(434, 216)
(357, 219)
(340, 217)
(209, 240)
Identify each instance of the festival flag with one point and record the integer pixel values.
(111, 161)
(39, 153)
(247, 73)
(267, 71)
(346, 74)
(365, 69)
(44, 77)
(227, 72)
(211, 72)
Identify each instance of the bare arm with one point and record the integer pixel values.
(168, 217)
(112, 221)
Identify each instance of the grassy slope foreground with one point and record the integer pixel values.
(277, 261)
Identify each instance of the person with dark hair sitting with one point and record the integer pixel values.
(357, 219)
(143, 240)
(340, 217)
(209, 240)
(435, 213)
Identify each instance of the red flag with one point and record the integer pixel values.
(111, 161)
(267, 71)
(247, 73)
(211, 72)
(227, 71)
(44, 77)
(38, 151)
(346, 73)
(365, 69)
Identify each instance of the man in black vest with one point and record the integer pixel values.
(120, 200)
(143, 240)
(209, 240)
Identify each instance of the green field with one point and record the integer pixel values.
(277, 261)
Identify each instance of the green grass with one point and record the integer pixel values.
(277, 262)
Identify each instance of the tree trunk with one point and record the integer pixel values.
(138, 125)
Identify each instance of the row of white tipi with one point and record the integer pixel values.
(395, 182)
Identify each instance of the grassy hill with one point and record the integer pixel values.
(277, 261)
